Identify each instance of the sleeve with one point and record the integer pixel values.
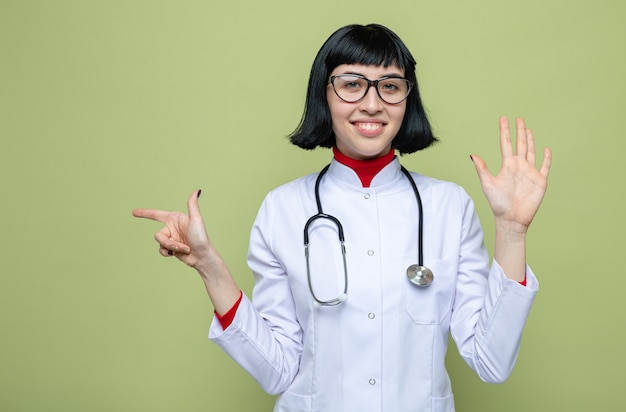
(490, 310)
(227, 318)
(264, 338)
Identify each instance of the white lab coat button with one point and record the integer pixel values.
(370, 252)
(366, 196)
(371, 315)
(372, 381)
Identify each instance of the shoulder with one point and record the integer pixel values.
(286, 206)
(438, 186)
(289, 197)
(444, 196)
(292, 188)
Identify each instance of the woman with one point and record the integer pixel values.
(379, 344)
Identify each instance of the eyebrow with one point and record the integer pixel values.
(390, 74)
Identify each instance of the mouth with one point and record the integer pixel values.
(369, 128)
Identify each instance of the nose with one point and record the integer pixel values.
(371, 102)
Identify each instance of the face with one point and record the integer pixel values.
(365, 129)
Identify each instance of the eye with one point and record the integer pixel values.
(389, 86)
(351, 83)
(393, 85)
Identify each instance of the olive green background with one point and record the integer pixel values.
(110, 105)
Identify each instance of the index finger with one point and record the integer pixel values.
(153, 214)
(506, 147)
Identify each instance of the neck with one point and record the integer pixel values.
(365, 169)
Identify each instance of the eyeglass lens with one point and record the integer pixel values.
(352, 88)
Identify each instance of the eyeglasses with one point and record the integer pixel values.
(353, 87)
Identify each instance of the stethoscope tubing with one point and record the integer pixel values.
(420, 218)
(320, 214)
(340, 233)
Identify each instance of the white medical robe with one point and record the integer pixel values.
(383, 349)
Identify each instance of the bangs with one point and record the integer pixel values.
(369, 46)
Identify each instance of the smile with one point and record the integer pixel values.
(368, 127)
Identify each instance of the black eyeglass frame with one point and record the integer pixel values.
(370, 83)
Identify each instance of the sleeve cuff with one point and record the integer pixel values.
(227, 318)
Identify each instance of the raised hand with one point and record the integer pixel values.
(183, 236)
(516, 192)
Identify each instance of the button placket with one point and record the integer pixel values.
(372, 320)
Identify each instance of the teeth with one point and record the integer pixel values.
(369, 126)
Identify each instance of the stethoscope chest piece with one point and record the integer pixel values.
(420, 275)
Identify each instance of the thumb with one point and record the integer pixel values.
(481, 167)
(192, 205)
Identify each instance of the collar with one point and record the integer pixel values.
(366, 170)
(388, 175)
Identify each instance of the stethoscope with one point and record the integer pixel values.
(418, 274)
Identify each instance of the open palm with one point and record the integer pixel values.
(516, 192)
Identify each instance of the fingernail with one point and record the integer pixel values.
(199, 192)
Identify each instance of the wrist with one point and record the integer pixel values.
(219, 283)
(510, 251)
(511, 230)
(210, 267)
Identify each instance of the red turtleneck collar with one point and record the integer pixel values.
(365, 169)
